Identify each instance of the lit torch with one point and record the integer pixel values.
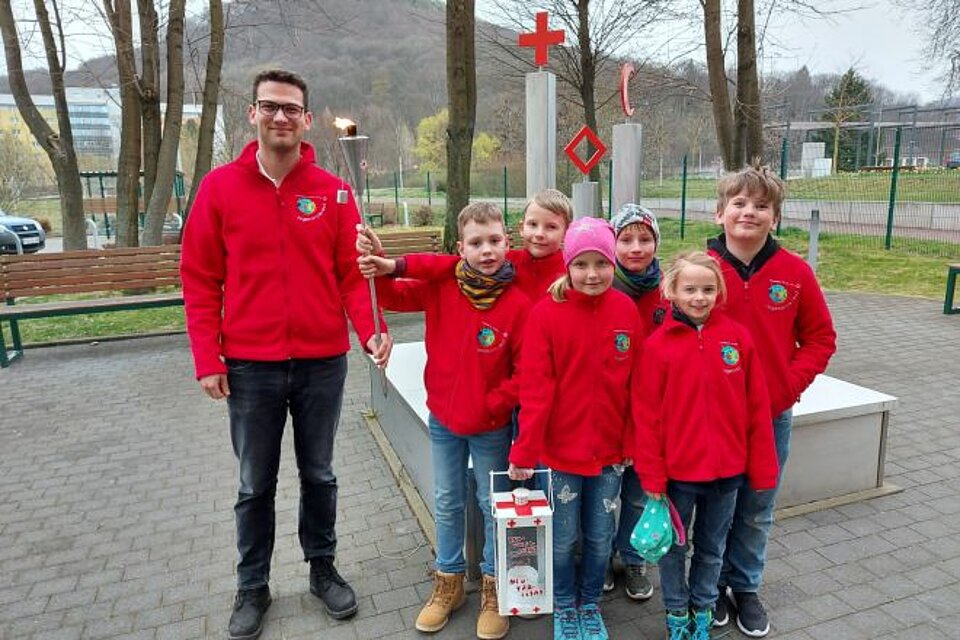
(354, 150)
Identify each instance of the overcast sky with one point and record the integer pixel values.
(879, 39)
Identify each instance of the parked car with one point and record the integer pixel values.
(953, 160)
(31, 234)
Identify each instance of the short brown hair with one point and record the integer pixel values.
(697, 259)
(553, 201)
(756, 180)
(283, 77)
(481, 213)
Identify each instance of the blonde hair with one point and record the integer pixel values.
(559, 287)
(695, 259)
(553, 201)
(481, 213)
(756, 180)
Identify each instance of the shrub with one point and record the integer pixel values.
(389, 214)
(45, 224)
(423, 216)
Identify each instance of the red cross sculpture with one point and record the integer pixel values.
(571, 149)
(541, 40)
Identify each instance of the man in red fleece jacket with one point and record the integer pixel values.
(268, 269)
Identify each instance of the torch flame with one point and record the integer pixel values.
(343, 123)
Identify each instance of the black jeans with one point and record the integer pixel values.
(261, 394)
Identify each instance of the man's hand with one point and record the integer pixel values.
(381, 353)
(215, 386)
(367, 241)
(519, 473)
(372, 266)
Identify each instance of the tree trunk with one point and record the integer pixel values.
(748, 84)
(462, 92)
(58, 147)
(211, 90)
(128, 162)
(172, 122)
(149, 93)
(720, 96)
(588, 70)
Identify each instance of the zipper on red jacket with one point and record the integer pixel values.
(286, 272)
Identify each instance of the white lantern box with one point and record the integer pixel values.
(524, 547)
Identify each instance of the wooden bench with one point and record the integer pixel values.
(113, 271)
(373, 214)
(952, 271)
(416, 241)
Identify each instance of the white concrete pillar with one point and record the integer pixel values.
(627, 163)
(586, 200)
(541, 132)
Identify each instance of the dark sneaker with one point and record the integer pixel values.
(636, 582)
(751, 616)
(721, 610)
(246, 621)
(338, 598)
(608, 579)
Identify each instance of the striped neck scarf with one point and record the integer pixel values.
(482, 291)
(635, 284)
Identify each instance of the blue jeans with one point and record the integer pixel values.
(632, 499)
(261, 394)
(582, 504)
(488, 452)
(746, 553)
(714, 503)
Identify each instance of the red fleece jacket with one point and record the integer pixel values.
(472, 354)
(578, 356)
(783, 307)
(700, 407)
(268, 272)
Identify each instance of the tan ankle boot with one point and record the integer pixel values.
(446, 598)
(491, 625)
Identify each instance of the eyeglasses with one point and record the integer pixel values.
(290, 110)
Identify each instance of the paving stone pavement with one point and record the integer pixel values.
(117, 483)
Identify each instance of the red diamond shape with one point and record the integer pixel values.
(536, 609)
(571, 149)
(514, 611)
(511, 523)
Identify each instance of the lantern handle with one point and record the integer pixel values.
(535, 471)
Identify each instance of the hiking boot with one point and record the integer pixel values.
(609, 582)
(338, 598)
(591, 623)
(566, 624)
(751, 616)
(636, 582)
(721, 610)
(246, 621)
(678, 625)
(446, 598)
(490, 624)
(700, 624)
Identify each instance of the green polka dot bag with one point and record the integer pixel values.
(658, 528)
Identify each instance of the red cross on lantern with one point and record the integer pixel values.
(511, 523)
(541, 40)
(571, 149)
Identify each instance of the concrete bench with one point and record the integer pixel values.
(837, 449)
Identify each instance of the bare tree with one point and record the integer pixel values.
(942, 26)
(57, 145)
(462, 94)
(211, 91)
(159, 201)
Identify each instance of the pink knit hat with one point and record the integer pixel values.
(589, 234)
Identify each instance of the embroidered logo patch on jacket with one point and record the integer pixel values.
(490, 338)
(781, 295)
(310, 208)
(730, 355)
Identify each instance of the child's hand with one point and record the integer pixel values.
(655, 496)
(367, 241)
(519, 473)
(372, 266)
(628, 462)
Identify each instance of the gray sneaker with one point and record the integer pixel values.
(637, 584)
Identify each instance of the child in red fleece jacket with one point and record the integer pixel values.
(474, 322)
(702, 422)
(579, 350)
